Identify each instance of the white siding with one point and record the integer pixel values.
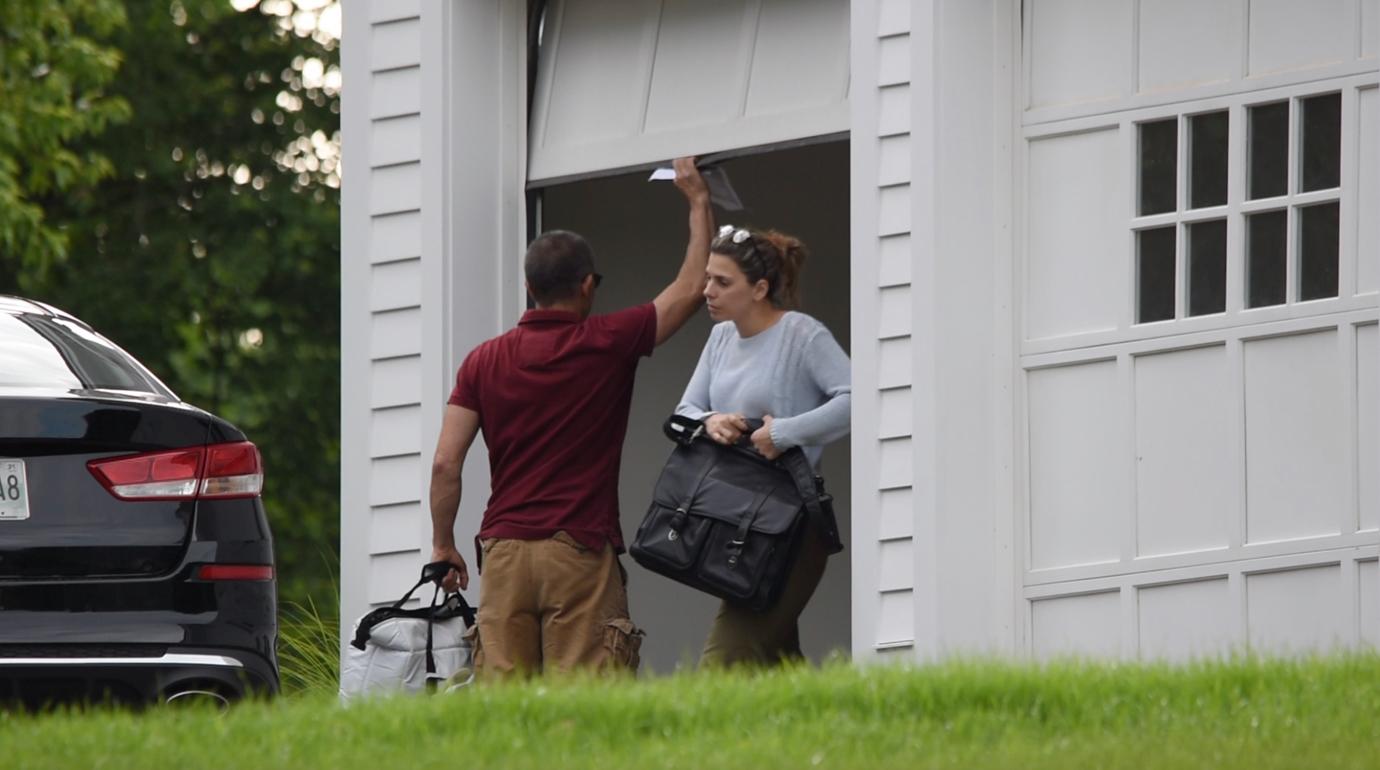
(883, 468)
(381, 311)
(408, 314)
(930, 139)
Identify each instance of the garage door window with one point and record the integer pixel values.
(1289, 213)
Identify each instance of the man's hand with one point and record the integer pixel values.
(761, 439)
(689, 181)
(725, 428)
(459, 576)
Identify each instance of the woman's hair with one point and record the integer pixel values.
(765, 255)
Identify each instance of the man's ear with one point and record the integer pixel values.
(587, 286)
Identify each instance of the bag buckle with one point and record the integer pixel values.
(735, 549)
(681, 517)
(678, 522)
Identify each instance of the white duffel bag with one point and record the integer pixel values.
(396, 650)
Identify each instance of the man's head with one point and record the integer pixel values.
(560, 271)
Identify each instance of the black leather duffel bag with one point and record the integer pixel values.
(728, 521)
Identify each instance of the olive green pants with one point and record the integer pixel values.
(742, 636)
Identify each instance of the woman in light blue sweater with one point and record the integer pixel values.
(766, 361)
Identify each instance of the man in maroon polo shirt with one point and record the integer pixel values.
(552, 398)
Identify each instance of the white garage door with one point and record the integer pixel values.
(1200, 258)
(627, 83)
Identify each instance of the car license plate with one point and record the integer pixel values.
(14, 491)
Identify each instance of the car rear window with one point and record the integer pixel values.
(45, 351)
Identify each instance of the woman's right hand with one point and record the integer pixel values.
(726, 428)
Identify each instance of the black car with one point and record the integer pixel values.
(136, 563)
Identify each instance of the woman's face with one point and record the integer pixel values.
(727, 293)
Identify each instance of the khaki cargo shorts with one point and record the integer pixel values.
(553, 605)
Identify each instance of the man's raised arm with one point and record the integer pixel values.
(683, 297)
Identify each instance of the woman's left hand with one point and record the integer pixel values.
(761, 439)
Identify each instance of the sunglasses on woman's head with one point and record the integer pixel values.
(731, 234)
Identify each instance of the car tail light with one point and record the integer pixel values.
(235, 572)
(232, 470)
(215, 471)
(172, 475)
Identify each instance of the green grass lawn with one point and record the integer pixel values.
(1321, 713)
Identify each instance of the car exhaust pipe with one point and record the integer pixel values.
(191, 696)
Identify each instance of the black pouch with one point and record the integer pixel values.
(727, 521)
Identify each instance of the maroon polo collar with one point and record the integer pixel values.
(537, 316)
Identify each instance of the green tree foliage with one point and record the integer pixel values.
(211, 251)
(53, 77)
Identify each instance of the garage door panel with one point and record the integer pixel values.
(1078, 491)
(1369, 593)
(1297, 611)
(1087, 625)
(1076, 251)
(1370, 28)
(702, 52)
(1078, 50)
(1182, 621)
(629, 83)
(1368, 412)
(800, 59)
(1186, 472)
(1368, 192)
(604, 42)
(1188, 42)
(1287, 34)
(1295, 451)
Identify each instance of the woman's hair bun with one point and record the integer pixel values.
(791, 253)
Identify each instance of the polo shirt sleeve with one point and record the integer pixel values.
(466, 391)
(631, 331)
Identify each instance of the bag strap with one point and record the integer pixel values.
(811, 488)
(434, 572)
(735, 547)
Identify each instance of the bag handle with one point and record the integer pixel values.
(433, 572)
(685, 430)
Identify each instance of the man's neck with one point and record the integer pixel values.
(564, 307)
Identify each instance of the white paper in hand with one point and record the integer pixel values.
(721, 192)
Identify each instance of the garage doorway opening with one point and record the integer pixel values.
(638, 231)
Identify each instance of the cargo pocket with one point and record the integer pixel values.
(471, 637)
(623, 643)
